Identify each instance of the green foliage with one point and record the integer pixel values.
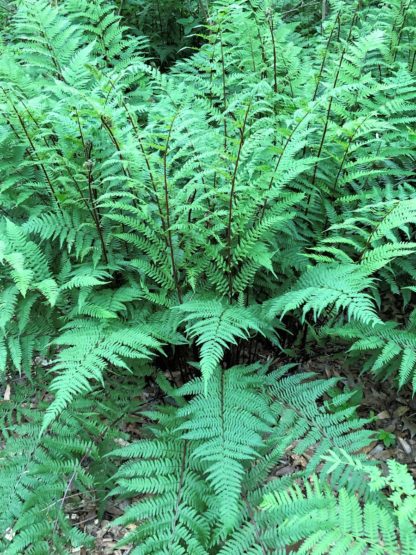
(172, 510)
(169, 25)
(330, 523)
(45, 475)
(387, 438)
(206, 221)
(217, 325)
(201, 473)
(89, 349)
(337, 286)
(394, 349)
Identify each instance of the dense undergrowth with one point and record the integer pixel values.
(206, 225)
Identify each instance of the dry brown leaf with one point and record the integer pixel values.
(401, 410)
(367, 448)
(410, 426)
(7, 393)
(405, 446)
(383, 415)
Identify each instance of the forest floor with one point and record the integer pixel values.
(393, 418)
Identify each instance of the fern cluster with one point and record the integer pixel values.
(197, 222)
(202, 473)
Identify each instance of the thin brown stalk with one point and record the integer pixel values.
(328, 111)
(321, 69)
(97, 220)
(290, 137)
(224, 93)
(92, 194)
(344, 158)
(32, 146)
(271, 29)
(231, 204)
(145, 156)
(169, 231)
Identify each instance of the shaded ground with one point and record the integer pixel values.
(393, 420)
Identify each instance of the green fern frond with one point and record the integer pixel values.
(216, 327)
(320, 521)
(172, 511)
(394, 349)
(228, 423)
(337, 287)
(89, 348)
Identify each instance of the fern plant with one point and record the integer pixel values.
(45, 476)
(328, 523)
(203, 468)
(203, 221)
